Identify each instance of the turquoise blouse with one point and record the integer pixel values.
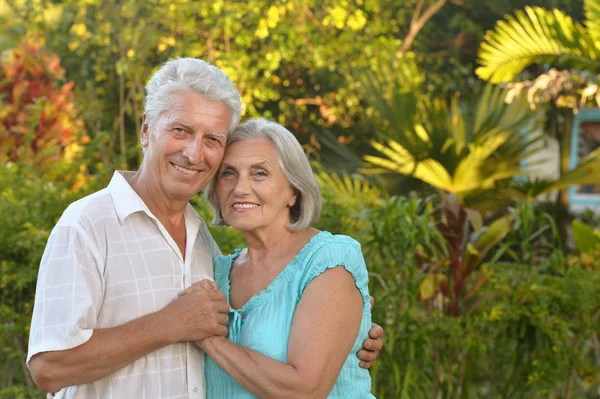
(265, 321)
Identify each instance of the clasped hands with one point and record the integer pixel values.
(202, 311)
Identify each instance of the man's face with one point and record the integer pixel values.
(184, 145)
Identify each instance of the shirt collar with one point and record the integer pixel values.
(127, 201)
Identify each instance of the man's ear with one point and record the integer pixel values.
(145, 132)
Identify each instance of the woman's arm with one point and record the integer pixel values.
(324, 330)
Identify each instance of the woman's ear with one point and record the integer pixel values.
(293, 200)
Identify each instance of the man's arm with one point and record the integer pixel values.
(195, 315)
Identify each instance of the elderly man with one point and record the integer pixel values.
(110, 319)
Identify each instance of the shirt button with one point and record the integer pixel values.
(195, 390)
(193, 349)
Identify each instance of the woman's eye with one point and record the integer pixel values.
(261, 173)
(226, 173)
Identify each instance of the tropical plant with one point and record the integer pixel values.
(567, 53)
(587, 242)
(537, 36)
(586, 237)
(30, 204)
(463, 152)
(449, 274)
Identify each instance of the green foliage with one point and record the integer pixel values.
(533, 239)
(536, 35)
(30, 205)
(460, 150)
(528, 332)
(292, 61)
(587, 241)
(331, 72)
(532, 339)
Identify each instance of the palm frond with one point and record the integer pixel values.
(535, 36)
(353, 190)
(462, 150)
(392, 89)
(592, 16)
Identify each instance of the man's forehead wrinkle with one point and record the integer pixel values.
(168, 114)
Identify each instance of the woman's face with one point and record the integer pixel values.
(252, 188)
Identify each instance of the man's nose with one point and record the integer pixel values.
(194, 151)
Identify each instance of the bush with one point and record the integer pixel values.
(30, 205)
(529, 332)
(37, 119)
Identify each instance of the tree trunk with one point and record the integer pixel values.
(562, 200)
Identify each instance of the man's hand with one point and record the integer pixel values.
(372, 345)
(201, 311)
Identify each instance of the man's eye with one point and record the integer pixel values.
(179, 130)
(226, 173)
(214, 140)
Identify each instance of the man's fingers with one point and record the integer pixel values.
(222, 331)
(216, 295)
(372, 302)
(365, 365)
(372, 345)
(223, 319)
(207, 284)
(376, 332)
(366, 356)
(201, 285)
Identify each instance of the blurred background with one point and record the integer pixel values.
(457, 140)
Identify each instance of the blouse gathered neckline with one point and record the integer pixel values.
(259, 298)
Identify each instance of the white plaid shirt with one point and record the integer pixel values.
(109, 261)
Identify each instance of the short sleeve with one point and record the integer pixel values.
(339, 251)
(68, 294)
(219, 266)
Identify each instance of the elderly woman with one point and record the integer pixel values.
(298, 296)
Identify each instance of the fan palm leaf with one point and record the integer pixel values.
(592, 16)
(462, 149)
(539, 36)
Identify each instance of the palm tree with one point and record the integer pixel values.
(550, 39)
(462, 151)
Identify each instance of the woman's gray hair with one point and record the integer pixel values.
(307, 209)
(193, 75)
